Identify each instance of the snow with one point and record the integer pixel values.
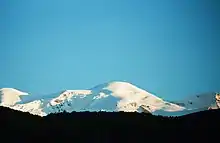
(69, 94)
(101, 95)
(33, 107)
(10, 96)
(198, 101)
(109, 97)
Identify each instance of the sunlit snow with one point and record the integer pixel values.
(109, 97)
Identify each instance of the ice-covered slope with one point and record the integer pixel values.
(198, 103)
(110, 97)
(113, 96)
(10, 96)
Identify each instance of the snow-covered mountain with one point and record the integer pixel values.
(10, 96)
(200, 102)
(110, 97)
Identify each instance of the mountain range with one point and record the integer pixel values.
(110, 97)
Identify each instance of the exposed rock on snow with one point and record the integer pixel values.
(109, 97)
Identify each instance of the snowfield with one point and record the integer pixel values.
(109, 97)
(10, 96)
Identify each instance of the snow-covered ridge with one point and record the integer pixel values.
(68, 94)
(10, 96)
(112, 96)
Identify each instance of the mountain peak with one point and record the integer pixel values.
(10, 96)
(111, 96)
(121, 84)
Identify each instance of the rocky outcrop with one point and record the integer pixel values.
(217, 102)
(217, 97)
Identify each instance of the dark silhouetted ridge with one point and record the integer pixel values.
(109, 127)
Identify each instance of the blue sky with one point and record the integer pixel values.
(170, 48)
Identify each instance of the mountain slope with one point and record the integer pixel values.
(110, 97)
(10, 96)
(208, 100)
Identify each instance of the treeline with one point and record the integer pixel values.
(108, 127)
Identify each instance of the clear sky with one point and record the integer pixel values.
(168, 47)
